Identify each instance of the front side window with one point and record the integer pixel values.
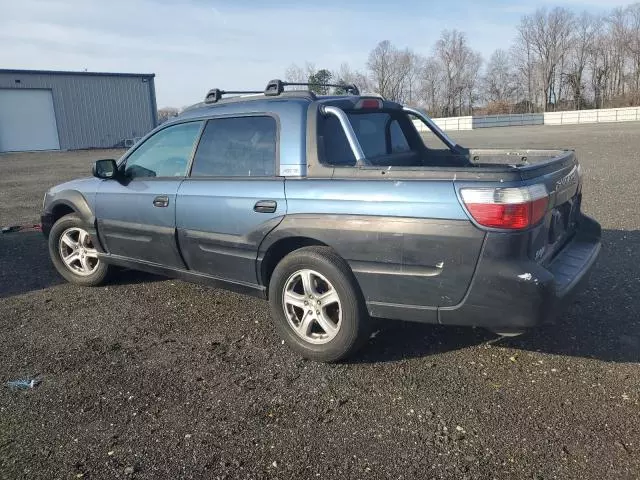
(237, 147)
(165, 154)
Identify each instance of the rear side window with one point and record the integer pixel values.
(237, 147)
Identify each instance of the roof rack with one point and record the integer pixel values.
(215, 94)
(275, 88)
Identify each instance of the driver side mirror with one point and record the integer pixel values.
(105, 169)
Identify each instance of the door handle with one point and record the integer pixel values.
(161, 201)
(265, 206)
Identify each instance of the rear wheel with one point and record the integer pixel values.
(73, 253)
(317, 305)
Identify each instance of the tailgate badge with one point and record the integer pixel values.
(567, 180)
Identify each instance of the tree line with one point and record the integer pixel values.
(559, 60)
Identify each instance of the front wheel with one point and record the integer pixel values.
(73, 253)
(317, 306)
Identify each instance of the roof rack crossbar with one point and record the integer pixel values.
(215, 94)
(276, 87)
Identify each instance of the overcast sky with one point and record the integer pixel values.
(194, 45)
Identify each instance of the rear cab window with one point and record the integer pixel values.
(387, 138)
(382, 135)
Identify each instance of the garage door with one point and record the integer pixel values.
(27, 120)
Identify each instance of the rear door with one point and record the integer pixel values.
(137, 215)
(232, 198)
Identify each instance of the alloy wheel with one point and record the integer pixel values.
(312, 306)
(77, 251)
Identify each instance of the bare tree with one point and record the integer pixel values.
(600, 68)
(345, 74)
(461, 66)
(499, 83)
(413, 66)
(633, 46)
(295, 73)
(298, 74)
(525, 65)
(381, 65)
(548, 35)
(617, 23)
(559, 60)
(587, 28)
(471, 80)
(431, 81)
(394, 72)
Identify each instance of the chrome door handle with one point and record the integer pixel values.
(265, 206)
(161, 201)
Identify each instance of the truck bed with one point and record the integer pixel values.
(513, 158)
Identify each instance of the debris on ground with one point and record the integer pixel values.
(22, 228)
(24, 384)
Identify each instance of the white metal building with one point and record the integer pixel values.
(49, 110)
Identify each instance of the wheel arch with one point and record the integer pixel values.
(280, 249)
(70, 201)
(60, 210)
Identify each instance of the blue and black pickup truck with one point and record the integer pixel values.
(335, 210)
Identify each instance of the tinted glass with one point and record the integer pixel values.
(166, 154)
(370, 130)
(378, 133)
(333, 146)
(398, 140)
(237, 147)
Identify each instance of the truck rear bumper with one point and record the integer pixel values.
(508, 294)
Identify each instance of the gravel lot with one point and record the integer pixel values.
(154, 378)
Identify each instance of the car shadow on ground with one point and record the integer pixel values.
(603, 323)
(25, 266)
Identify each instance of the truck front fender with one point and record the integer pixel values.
(64, 202)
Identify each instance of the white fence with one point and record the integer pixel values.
(451, 123)
(515, 120)
(551, 118)
(593, 116)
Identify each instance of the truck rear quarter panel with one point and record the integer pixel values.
(409, 243)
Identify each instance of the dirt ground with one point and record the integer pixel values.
(154, 378)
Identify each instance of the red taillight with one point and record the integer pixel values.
(510, 208)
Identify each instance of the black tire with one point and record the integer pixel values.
(354, 324)
(95, 278)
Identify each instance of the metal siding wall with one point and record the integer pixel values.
(94, 111)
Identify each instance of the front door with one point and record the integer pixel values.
(136, 215)
(232, 198)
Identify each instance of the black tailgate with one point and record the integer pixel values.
(563, 181)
